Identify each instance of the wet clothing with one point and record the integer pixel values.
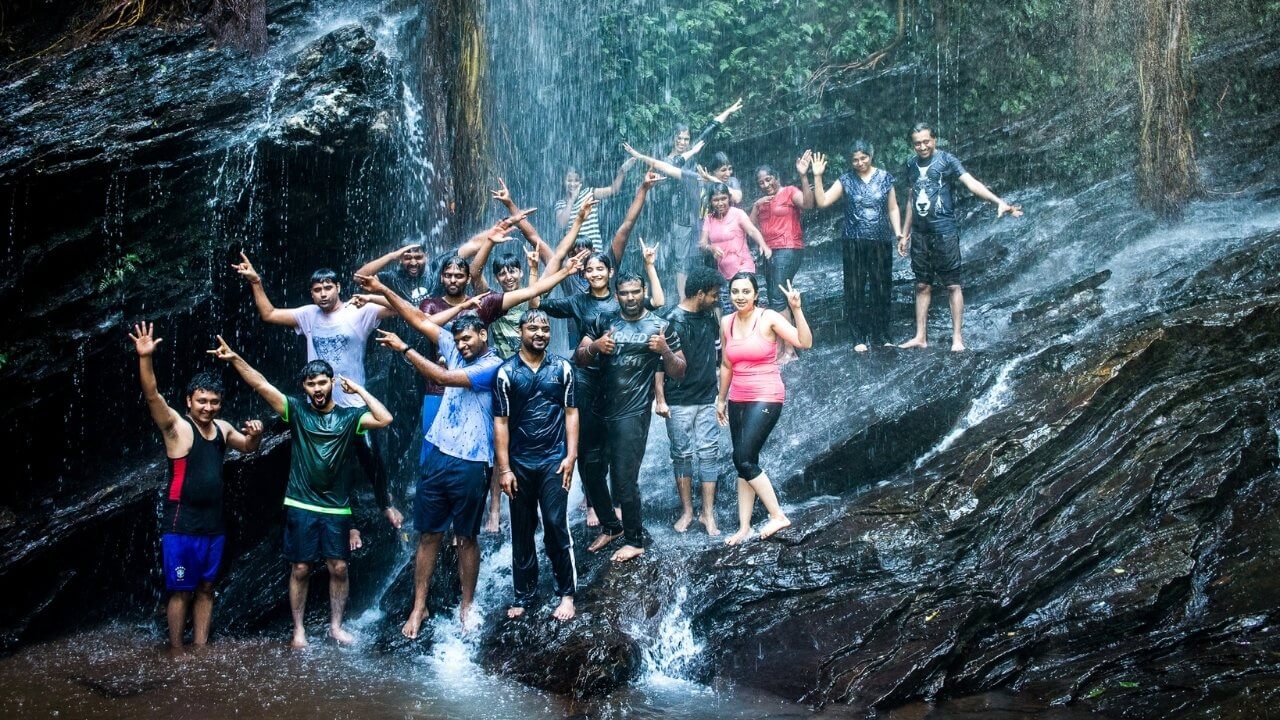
(866, 206)
(190, 560)
(539, 488)
(339, 338)
(628, 372)
(590, 229)
(314, 536)
(754, 364)
(535, 401)
(699, 334)
(779, 219)
(749, 425)
(193, 505)
(450, 491)
(705, 208)
(628, 437)
(322, 445)
(868, 280)
(728, 236)
(463, 427)
(504, 331)
(413, 289)
(581, 309)
(780, 270)
(695, 441)
(930, 196)
(490, 309)
(935, 259)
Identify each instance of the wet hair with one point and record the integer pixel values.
(628, 277)
(719, 160)
(455, 261)
(581, 244)
(602, 257)
(468, 322)
(314, 368)
(749, 277)
(571, 170)
(324, 275)
(921, 127)
(702, 279)
(532, 314)
(206, 381)
(767, 170)
(507, 261)
(718, 189)
(679, 128)
(862, 146)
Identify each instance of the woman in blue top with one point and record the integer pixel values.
(871, 222)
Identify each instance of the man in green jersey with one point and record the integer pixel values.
(318, 497)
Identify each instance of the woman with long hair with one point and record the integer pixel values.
(751, 392)
(724, 235)
(777, 214)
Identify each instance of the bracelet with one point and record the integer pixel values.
(406, 349)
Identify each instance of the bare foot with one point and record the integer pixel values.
(957, 345)
(565, 610)
(592, 519)
(299, 639)
(178, 653)
(601, 541)
(341, 636)
(515, 611)
(709, 522)
(860, 347)
(738, 537)
(413, 624)
(467, 619)
(773, 526)
(686, 519)
(618, 512)
(915, 342)
(627, 552)
(494, 523)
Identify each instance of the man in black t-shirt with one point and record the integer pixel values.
(631, 347)
(689, 404)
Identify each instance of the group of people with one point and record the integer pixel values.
(501, 414)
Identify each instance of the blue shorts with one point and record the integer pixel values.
(190, 560)
(311, 536)
(430, 408)
(451, 490)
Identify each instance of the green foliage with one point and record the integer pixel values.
(115, 275)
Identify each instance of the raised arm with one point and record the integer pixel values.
(539, 286)
(570, 236)
(798, 334)
(612, 188)
(254, 379)
(416, 319)
(977, 188)
(378, 415)
(268, 312)
(633, 213)
(165, 417)
(654, 163)
(375, 266)
(426, 367)
(650, 255)
(823, 198)
(805, 201)
(503, 195)
(246, 439)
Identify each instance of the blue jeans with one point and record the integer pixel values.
(694, 433)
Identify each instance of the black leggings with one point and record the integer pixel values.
(868, 276)
(749, 425)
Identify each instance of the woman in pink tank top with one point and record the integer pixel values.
(752, 393)
(724, 235)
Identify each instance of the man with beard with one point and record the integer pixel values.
(191, 530)
(317, 498)
(535, 442)
(632, 346)
(409, 278)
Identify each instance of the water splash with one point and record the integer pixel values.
(669, 656)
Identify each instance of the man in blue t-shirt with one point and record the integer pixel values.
(455, 472)
(935, 242)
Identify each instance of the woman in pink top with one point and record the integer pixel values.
(751, 392)
(724, 234)
(777, 213)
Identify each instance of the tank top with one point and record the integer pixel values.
(754, 363)
(193, 504)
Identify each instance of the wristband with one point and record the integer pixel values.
(406, 349)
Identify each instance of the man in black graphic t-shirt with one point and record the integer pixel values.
(631, 348)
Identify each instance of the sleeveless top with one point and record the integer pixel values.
(193, 504)
(754, 363)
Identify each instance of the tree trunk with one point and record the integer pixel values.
(1166, 150)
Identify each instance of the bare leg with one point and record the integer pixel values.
(468, 571)
(592, 519)
(924, 293)
(339, 587)
(424, 564)
(777, 520)
(565, 610)
(494, 523)
(708, 516)
(177, 612)
(955, 296)
(202, 613)
(298, 578)
(684, 486)
(746, 501)
(515, 611)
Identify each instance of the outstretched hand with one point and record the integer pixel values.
(705, 176)
(251, 428)
(473, 302)
(588, 203)
(1003, 207)
(391, 341)
(575, 263)
(246, 269)
(634, 153)
(791, 294)
(370, 283)
(819, 163)
(502, 194)
(223, 352)
(533, 259)
(143, 339)
(724, 114)
(803, 162)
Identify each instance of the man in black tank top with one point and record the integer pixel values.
(191, 525)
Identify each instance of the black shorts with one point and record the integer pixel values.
(311, 536)
(451, 490)
(935, 259)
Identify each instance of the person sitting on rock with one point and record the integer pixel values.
(191, 529)
(317, 498)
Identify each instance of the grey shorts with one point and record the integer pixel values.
(695, 442)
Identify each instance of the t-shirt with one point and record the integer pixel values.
(504, 331)
(534, 400)
(866, 207)
(339, 338)
(413, 289)
(627, 373)
(699, 334)
(582, 309)
(322, 444)
(931, 204)
(726, 235)
(591, 225)
(490, 309)
(464, 426)
(780, 219)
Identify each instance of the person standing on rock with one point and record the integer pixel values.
(337, 332)
(535, 442)
(576, 195)
(871, 221)
(191, 529)
(931, 232)
(777, 214)
(724, 234)
(317, 498)
(752, 393)
(631, 347)
(688, 404)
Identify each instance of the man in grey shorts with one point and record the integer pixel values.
(688, 404)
